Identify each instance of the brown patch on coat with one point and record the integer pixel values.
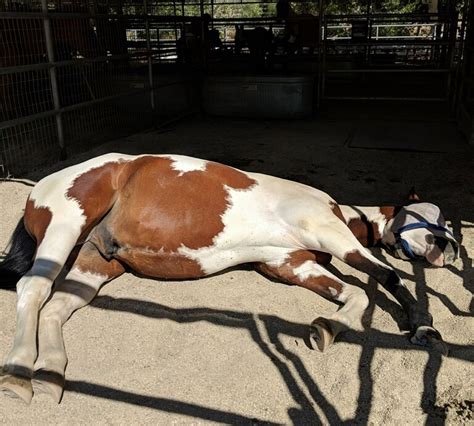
(357, 260)
(160, 209)
(320, 284)
(360, 262)
(166, 265)
(389, 211)
(90, 260)
(337, 210)
(95, 190)
(37, 220)
(146, 261)
(366, 232)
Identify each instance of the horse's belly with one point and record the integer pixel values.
(159, 264)
(215, 259)
(188, 264)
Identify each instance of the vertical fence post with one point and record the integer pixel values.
(321, 52)
(150, 60)
(52, 75)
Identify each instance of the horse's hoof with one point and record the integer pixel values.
(321, 333)
(49, 383)
(429, 337)
(16, 387)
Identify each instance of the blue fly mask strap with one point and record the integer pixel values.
(402, 247)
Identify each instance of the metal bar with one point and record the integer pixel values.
(384, 15)
(375, 16)
(150, 63)
(27, 119)
(82, 61)
(52, 74)
(403, 71)
(384, 98)
(321, 52)
(175, 27)
(70, 15)
(393, 42)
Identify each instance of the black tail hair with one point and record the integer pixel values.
(19, 259)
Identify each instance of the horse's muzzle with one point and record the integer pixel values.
(450, 250)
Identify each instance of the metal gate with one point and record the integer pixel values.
(75, 73)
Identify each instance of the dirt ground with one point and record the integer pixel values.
(231, 348)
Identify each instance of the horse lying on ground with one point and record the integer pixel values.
(177, 217)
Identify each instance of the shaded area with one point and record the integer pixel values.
(162, 404)
(274, 326)
(300, 382)
(281, 357)
(156, 403)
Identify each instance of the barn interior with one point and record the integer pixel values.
(78, 73)
(362, 99)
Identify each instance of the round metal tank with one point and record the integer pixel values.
(259, 96)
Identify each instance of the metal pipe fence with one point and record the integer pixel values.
(400, 47)
(74, 73)
(71, 77)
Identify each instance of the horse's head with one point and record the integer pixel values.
(419, 231)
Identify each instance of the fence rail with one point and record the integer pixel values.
(76, 73)
(70, 78)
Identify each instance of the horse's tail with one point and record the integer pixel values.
(19, 259)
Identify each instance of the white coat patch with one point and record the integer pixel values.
(307, 269)
(184, 164)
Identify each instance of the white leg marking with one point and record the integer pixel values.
(309, 269)
(32, 292)
(34, 289)
(76, 291)
(355, 303)
(354, 298)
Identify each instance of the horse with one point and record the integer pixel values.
(258, 40)
(177, 217)
(301, 29)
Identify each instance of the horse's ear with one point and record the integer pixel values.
(412, 195)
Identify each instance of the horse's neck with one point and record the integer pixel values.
(368, 224)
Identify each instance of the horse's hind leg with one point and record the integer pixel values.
(32, 292)
(301, 268)
(89, 271)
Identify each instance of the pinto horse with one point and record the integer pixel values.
(176, 217)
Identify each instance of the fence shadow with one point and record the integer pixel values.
(281, 357)
(300, 382)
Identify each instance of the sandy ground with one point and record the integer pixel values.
(231, 348)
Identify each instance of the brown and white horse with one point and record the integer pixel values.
(176, 217)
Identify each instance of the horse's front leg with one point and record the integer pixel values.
(340, 242)
(90, 270)
(303, 269)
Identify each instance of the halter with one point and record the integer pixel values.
(401, 245)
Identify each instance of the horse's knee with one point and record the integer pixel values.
(355, 295)
(33, 290)
(361, 298)
(52, 312)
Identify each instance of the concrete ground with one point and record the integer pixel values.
(231, 348)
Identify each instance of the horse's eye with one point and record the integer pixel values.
(430, 239)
